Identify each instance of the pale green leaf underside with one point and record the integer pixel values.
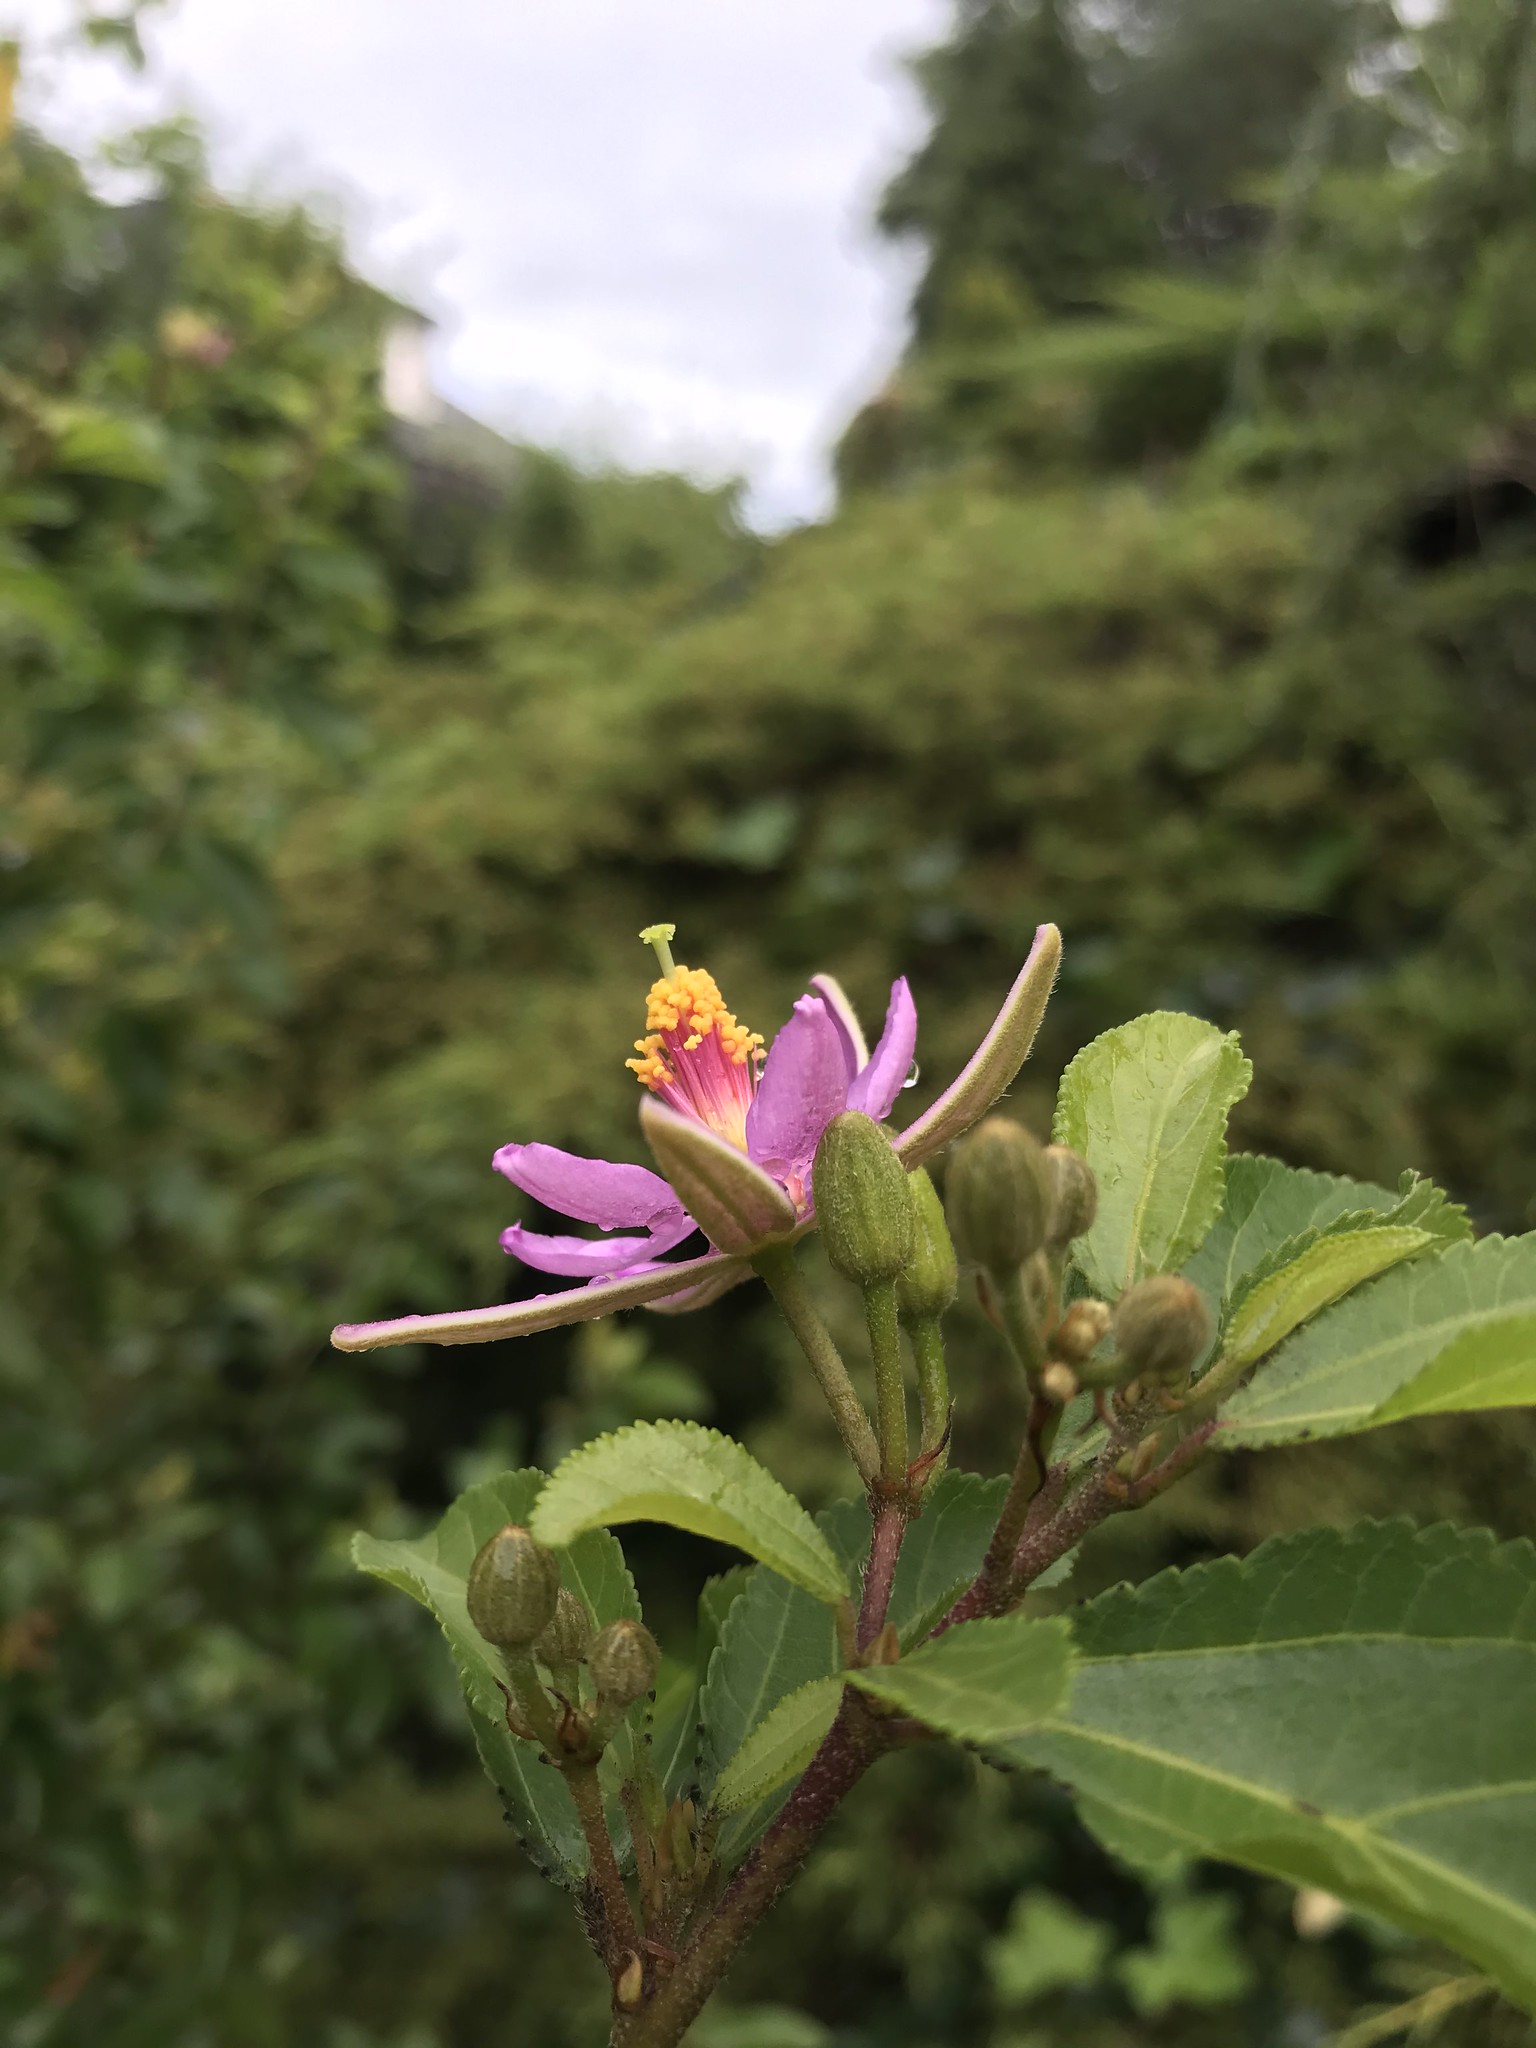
(1491, 1367)
(1339, 1372)
(1351, 1709)
(690, 1478)
(433, 1569)
(1147, 1105)
(985, 1682)
(1322, 1274)
(780, 1747)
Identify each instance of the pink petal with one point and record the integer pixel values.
(804, 1085)
(543, 1312)
(586, 1256)
(880, 1082)
(846, 1018)
(597, 1191)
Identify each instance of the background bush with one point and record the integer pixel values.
(1180, 592)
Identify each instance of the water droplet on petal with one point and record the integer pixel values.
(912, 1076)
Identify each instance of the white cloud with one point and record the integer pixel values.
(644, 220)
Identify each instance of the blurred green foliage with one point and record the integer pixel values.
(1190, 607)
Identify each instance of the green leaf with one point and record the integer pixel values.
(433, 1570)
(1147, 1104)
(943, 1551)
(1354, 1709)
(691, 1478)
(1268, 1209)
(1490, 1367)
(780, 1746)
(676, 1717)
(1339, 1372)
(775, 1639)
(984, 1682)
(1328, 1269)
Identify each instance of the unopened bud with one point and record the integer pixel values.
(1059, 1383)
(1081, 1330)
(864, 1205)
(513, 1586)
(926, 1285)
(629, 1985)
(996, 1194)
(1137, 1463)
(1162, 1328)
(623, 1660)
(565, 1639)
(1074, 1196)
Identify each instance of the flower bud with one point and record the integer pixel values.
(1080, 1331)
(926, 1285)
(996, 1195)
(623, 1659)
(513, 1586)
(1162, 1328)
(565, 1639)
(1058, 1383)
(864, 1205)
(1074, 1196)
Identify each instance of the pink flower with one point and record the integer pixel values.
(735, 1134)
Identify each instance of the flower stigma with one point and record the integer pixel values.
(694, 1054)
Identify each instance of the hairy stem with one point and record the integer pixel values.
(927, 1341)
(855, 1740)
(890, 1389)
(786, 1283)
(622, 1933)
(880, 1569)
(1028, 1478)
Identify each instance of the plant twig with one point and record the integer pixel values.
(890, 1389)
(622, 1933)
(786, 1283)
(880, 1568)
(856, 1739)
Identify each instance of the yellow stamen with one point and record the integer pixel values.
(688, 1001)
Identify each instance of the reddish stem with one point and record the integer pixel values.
(880, 1569)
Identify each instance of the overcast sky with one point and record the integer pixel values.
(643, 224)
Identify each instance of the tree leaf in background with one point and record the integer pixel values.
(1338, 1373)
(1354, 1709)
(780, 1746)
(1147, 1105)
(984, 1682)
(691, 1478)
(433, 1569)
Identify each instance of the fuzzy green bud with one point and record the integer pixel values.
(997, 1194)
(926, 1285)
(1074, 1196)
(513, 1587)
(1162, 1328)
(623, 1660)
(864, 1205)
(565, 1639)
